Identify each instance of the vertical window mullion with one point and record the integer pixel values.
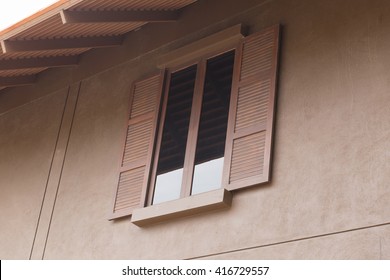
(189, 160)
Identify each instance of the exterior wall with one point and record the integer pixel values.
(331, 170)
(27, 140)
(364, 243)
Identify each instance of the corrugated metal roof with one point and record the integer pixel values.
(22, 72)
(131, 5)
(49, 53)
(48, 25)
(53, 28)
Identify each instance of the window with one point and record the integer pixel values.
(214, 129)
(191, 154)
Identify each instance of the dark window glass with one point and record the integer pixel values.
(174, 137)
(210, 148)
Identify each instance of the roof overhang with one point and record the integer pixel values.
(58, 35)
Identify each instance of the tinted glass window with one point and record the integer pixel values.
(209, 156)
(174, 137)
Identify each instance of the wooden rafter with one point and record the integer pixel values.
(38, 62)
(17, 81)
(74, 17)
(56, 44)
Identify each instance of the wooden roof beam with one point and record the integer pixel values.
(74, 17)
(39, 62)
(58, 44)
(17, 81)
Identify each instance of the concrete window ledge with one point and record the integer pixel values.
(200, 203)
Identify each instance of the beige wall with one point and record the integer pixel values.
(28, 136)
(331, 171)
(364, 243)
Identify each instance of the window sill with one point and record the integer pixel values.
(200, 203)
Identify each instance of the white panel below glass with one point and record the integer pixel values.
(168, 186)
(207, 176)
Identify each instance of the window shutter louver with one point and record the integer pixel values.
(134, 170)
(250, 127)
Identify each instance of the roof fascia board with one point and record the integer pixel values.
(38, 62)
(59, 44)
(17, 81)
(74, 17)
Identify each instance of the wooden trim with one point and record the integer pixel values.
(184, 207)
(132, 165)
(113, 215)
(229, 37)
(205, 56)
(158, 137)
(196, 108)
(272, 99)
(151, 154)
(247, 182)
(143, 163)
(140, 118)
(232, 116)
(254, 78)
(250, 130)
(191, 145)
(38, 62)
(239, 82)
(251, 77)
(77, 17)
(17, 81)
(118, 214)
(56, 44)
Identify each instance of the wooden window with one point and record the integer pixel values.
(215, 129)
(191, 145)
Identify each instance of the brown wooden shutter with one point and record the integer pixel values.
(250, 127)
(138, 147)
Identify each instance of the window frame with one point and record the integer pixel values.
(196, 108)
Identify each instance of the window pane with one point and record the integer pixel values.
(168, 186)
(210, 148)
(174, 137)
(208, 176)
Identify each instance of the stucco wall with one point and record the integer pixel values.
(28, 135)
(331, 171)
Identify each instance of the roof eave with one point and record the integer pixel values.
(37, 18)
